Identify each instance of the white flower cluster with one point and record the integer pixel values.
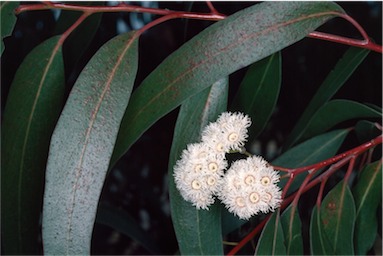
(248, 186)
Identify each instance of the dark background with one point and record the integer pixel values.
(305, 65)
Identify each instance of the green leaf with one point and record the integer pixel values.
(124, 223)
(337, 216)
(8, 20)
(259, 91)
(310, 152)
(366, 131)
(335, 112)
(34, 103)
(318, 244)
(228, 45)
(292, 230)
(333, 82)
(367, 194)
(271, 241)
(198, 231)
(82, 144)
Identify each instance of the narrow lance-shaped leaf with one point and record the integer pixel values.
(8, 20)
(337, 216)
(335, 112)
(318, 243)
(33, 105)
(292, 230)
(368, 196)
(271, 241)
(198, 231)
(228, 45)
(82, 144)
(310, 152)
(259, 91)
(333, 82)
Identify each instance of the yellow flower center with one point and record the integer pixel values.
(267, 197)
(219, 147)
(249, 179)
(254, 197)
(265, 181)
(196, 184)
(240, 201)
(233, 137)
(198, 167)
(210, 180)
(213, 167)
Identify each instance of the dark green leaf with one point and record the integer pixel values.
(292, 229)
(333, 82)
(33, 106)
(271, 241)
(8, 20)
(368, 195)
(82, 145)
(228, 45)
(335, 112)
(310, 152)
(318, 243)
(259, 91)
(366, 131)
(198, 231)
(124, 223)
(337, 216)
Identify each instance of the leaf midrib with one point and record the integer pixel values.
(87, 136)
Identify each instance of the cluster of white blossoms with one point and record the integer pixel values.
(248, 186)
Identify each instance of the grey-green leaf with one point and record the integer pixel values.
(82, 144)
(368, 195)
(8, 20)
(227, 46)
(198, 231)
(33, 106)
(259, 91)
(333, 82)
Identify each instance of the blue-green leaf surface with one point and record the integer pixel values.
(33, 106)
(259, 91)
(227, 46)
(198, 231)
(82, 145)
(368, 196)
(333, 82)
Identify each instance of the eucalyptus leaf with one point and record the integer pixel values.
(82, 144)
(366, 130)
(335, 112)
(292, 229)
(227, 46)
(271, 241)
(33, 106)
(333, 82)
(368, 195)
(337, 216)
(8, 20)
(310, 152)
(259, 91)
(198, 231)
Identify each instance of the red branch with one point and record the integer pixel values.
(214, 15)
